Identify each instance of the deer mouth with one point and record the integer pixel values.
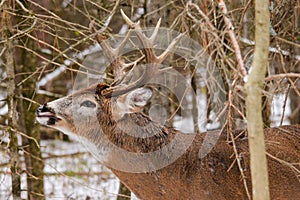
(46, 116)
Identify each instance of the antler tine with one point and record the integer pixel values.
(165, 54)
(123, 89)
(128, 21)
(128, 66)
(148, 43)
(101, 40)
(154, 34)
(117, 62)
(112, 52)
(151, 58)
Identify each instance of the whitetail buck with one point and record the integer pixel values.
(102, 116)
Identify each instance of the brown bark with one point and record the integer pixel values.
(12, 112)
(27, 63)
(33, 157)
(294, 94)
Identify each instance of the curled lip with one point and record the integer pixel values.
(47, 115)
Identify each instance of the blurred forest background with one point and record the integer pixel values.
(44, 44)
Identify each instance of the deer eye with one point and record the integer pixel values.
(88, 104)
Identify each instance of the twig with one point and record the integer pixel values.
(284, 105)
(294, 86)
(29, 100)
(281, 76)
(236, 153)
(22, 6)
(82, 54)
(287, 41)
(291, 165)
(2, 2)
(54, 156)
(235, 44)
(49, 94)
(203, 15)
(271, 49)
(19, 132)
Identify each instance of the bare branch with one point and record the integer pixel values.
(281, 76)
(235, 44)
(271, 49)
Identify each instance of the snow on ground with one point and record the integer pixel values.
(79, 176)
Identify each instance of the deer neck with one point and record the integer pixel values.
(137, 133)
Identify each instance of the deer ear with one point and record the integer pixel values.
(138, 98)
(132, 102)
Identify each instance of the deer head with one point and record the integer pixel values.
(83, 114)
(105, 116)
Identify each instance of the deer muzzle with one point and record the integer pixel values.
(46, 116)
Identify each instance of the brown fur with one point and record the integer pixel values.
(190, 176)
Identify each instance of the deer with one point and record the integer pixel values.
(107, 117)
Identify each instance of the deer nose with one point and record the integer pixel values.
(43, 108)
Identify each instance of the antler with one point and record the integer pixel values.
(148, 49)
(118, 64)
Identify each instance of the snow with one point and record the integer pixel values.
(50, 76)
(73, 177)
(277, 110)
(3, 110)
(271, 49)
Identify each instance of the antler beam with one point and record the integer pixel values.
(120, 67)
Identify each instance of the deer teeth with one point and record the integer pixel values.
(47, 118)
(45, 114)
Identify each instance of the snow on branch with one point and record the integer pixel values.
(50, 76)
(271, 49)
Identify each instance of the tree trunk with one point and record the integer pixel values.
(294, 94)
(33, 156)
(12, 112)
(27, 63)
(254, 86)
